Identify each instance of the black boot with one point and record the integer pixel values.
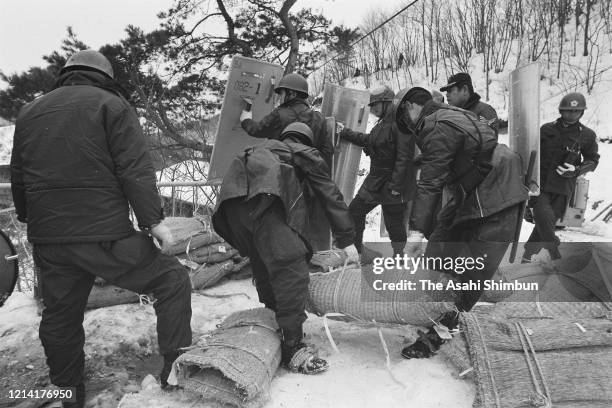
(297, 356)
(429, 343)
(398, 248)
(165, 372)
(425, 346)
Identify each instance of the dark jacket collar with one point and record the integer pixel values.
(294, 102)
(471, 102)
(559, 123)
(92, 78)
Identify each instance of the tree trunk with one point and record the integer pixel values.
(294, 41)
(589, 4)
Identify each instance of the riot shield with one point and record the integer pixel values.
(350, 107)
(524, 132)
(524, 121)
(9, 267)
(251, 79)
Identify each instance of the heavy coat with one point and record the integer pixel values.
(444, 134)
(79, 158)
(391, 161)
(296, 110)
(293, 172)
(483, 111)
(555, 142)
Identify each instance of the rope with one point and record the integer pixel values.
(328, 333)
(541, 399)
(364, 37)
(337, 288)
(387, 356)
(488, 363)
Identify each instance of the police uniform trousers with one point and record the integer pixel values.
(278, 254)
(487, 238)
(67, 273)
(547, 208)
(393, 214)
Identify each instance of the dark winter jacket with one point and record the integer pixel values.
(295, 110)
(449, 138)
(556, 142)
(293, 172)
(391, 161)
(483, 111)
(79, 158)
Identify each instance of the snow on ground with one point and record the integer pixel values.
(358, 376)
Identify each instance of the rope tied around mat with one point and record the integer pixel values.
(540, 399)
(488, 361)
(337, 287)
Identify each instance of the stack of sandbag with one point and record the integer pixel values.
(579, 284)
(209, 258)
(537, 362)
(235, 363)
(350, 291)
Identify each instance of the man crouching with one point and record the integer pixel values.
(262, 212)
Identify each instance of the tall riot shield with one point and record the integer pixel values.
(251, 79)
(350, 107)
(524, 121)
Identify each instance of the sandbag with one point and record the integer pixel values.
(235, 363)
(332, 258)
(209, 254)
(109, 295)
(344, 291)
(190, 233)
(583, 275)
(208, 275)
(540, 362)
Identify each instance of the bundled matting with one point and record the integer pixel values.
(560, 362)
(348, 291)
(235, 363)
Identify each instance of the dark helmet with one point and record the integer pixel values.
(381, 94)
(573, 101)
(90, 59)
(299, 130)
(294, 82)
(404, 94)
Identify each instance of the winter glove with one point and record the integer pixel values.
(246, 115)
(163, 235)
(352, 254)
(339, 127)
(567, 170)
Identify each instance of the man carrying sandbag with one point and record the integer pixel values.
(262, 212)
(476, 183)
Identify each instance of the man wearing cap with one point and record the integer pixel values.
(292, 91)
(482, 185)
(391, 181)
(568, 149)
(261, 211)
(79, 162)
(460, 93)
